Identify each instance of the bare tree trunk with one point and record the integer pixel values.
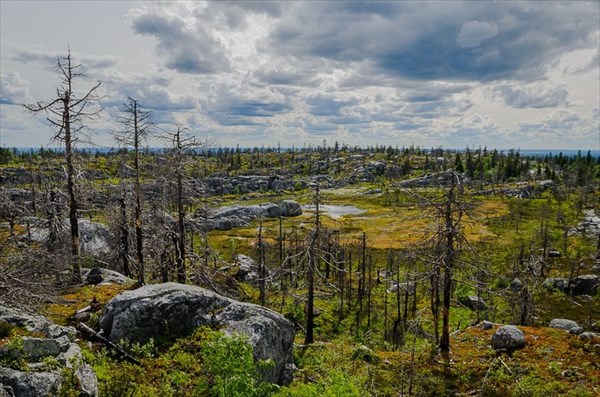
(68, 111)
(124, 238)
(262, 274)
(310, 322)
(181, 276)
(75, 263)
(139, 255)
(449, 236)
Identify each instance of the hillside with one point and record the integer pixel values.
(376, 255)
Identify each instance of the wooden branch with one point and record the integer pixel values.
(107, 343)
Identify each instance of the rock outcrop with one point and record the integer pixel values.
(589, 226)
(230, 217)
(57, 343)
(172, 310)
(94, 237)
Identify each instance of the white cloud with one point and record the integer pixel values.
(536, 95)
(14, 89)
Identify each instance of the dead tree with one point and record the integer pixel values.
(449, 210)
(67, 113)
(310, 274)
(137, 123)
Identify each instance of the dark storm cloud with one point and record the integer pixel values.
(438, 40)
(186, 49)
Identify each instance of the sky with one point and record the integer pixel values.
(523, 75)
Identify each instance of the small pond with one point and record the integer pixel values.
(335, 211)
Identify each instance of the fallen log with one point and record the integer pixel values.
(126, 356)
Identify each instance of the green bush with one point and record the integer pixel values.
(207, 363)
(6, 329)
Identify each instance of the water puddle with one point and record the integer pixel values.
(335, 211)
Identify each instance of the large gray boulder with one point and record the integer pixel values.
(29, 384)
(508, 338)
(561, 323)
(290, 208)
(172, 310)
(234, 216)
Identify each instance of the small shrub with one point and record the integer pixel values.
(6, 329)
(365, 354)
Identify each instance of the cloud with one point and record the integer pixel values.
(473, 33)
(326, 106)
(559, 122)
(482, 41)
(563, 129)
(236, 103)
(284, 76)
(159, 98)
(537, 95)
(14, 89)
(48, 60)
(187, 46)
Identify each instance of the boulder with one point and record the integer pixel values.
(561, 284)
(587, 284)
(172, 310)
(576, 331)
(247, 269)
(486, 325)
(36, 349)
(94, 237)
(475, 303)
(589, 335)
(229, 217)
(290, 208)
(108, 276)
(516, 285)
(30, 384)
(561, 323)
(508, 338)
(94, 276)
(553, 254)
(35, 323)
